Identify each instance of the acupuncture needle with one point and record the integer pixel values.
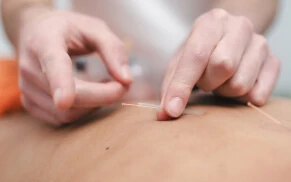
(186, 111)
(199, 112)
(158, 107)
(264, 113)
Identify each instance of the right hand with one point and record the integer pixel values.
(49, 90)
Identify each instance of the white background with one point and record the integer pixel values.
(279, 39)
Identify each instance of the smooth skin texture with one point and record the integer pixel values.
(224, 53)
(49, 90)
(229, 143)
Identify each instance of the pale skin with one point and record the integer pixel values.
(225, 53)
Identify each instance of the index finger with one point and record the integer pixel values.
(191, 65)
(56, 65)
(98, 94)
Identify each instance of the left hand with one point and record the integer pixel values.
(223, 54)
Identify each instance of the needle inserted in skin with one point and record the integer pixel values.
(150, 105)
(157, 107)
(199, 112)
(263, 112)
(140, 105)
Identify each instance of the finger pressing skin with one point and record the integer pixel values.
(227, 56)
(37, 112)
(171, 68)
(162, 115)
(111, 48)
(247, 73)
(265, 84)
(57, 67)
(191, 65)
(98, 94)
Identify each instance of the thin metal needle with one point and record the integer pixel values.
(157, 107)
(264, 113)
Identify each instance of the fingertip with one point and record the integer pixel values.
(163, 116)
(175, 107)
(126, 75)
(63, 99)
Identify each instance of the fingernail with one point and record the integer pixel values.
(175, 107)
(58, 96)
(126, 73)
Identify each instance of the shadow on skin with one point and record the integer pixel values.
(207, 99)
(200, 98)
(95, 116)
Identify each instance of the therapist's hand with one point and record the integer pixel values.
(49, 90)
(224, 55)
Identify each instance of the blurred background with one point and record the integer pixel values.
(278, 37)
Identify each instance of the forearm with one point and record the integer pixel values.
(260, 12)
(16, 13)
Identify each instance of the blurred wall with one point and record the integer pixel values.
(5, 47)
(278, 36)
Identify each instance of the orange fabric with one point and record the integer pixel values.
(9, 91)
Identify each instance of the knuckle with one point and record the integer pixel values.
(219, 13)
(225, 65)
(262, 43)
(239, 86)
(200, 20)
(245, 24)
(214, 14)
(200, 54)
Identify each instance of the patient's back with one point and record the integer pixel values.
(227, 143)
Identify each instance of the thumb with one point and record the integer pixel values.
(57, 67)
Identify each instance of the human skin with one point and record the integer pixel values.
(229, 142)
(49, 89)
(224, 53)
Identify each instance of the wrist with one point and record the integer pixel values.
(33, 13)
(27, 17)
(13, 14)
